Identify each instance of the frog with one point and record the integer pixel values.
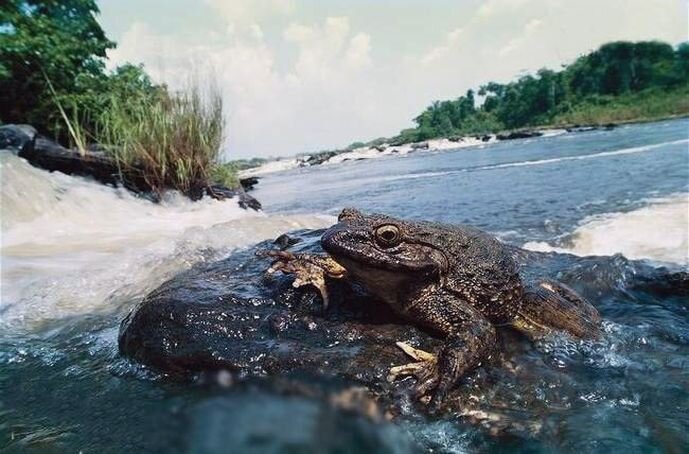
(456, 281)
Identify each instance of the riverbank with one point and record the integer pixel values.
(641, 107)
(386, 148)
(93, 162)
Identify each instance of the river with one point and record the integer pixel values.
(77, 256)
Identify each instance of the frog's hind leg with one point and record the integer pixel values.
(469, 339)
(549, 306)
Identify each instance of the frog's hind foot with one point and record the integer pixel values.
(424, 369)
(549, 305)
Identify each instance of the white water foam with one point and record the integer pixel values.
(658, 232)
(72, 246)
(602, 154)
(361, 153)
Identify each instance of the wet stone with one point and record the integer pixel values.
(230, 316)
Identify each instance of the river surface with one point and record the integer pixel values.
(77, 256)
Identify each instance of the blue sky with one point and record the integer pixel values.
(306, 75)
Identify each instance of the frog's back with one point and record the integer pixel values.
(483, 272)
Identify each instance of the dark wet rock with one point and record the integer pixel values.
(587, 128)
(51, 156)
(420, 146)
(229, 316)
(578, 128)
(320, 158)
(381, 147)
(485, 138)
(665, 283)
(456, 139)
(519, 135)
(248, 183)
(16, 138)
(219, 192)
(285, 241)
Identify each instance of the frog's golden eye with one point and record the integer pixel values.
(388, 235)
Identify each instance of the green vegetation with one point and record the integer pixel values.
(243, 164)
(225, 174)
(53, 76)
(42, 39)
(649, 104)
(621, 81)
(173, 140)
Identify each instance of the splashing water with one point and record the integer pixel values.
(72, 246)
(657, 232)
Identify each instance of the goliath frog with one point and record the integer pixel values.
(454, 280)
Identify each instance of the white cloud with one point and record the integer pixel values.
(515, 43)
(271, 111)
(436, 53)
(293, 84)
(494, 7)
(358, 53)
(256, 31)
(238, 12)
(532, 26)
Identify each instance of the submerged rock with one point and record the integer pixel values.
(229, 316)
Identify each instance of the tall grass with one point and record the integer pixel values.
(172, 139)
(76, 133)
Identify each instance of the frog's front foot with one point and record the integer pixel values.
(424, 369)
(308, 269)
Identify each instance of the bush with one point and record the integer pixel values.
(225, 174)
(174, 140)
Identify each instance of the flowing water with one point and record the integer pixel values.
(76, 256)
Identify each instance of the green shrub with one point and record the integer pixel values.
(174, 140)
(225, 174)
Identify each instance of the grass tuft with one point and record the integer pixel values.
(172, 139)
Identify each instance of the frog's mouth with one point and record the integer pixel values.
(355, 248)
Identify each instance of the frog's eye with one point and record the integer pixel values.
(388, 235)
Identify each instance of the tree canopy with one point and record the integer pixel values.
(59, 41)
(615, 69)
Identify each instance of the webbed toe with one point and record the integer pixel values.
(424, 369)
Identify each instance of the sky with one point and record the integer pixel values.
(299, 76)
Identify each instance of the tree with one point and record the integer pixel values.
(615, 69)
(680, 67)
(57, 39)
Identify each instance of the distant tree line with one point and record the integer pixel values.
(614, 70)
